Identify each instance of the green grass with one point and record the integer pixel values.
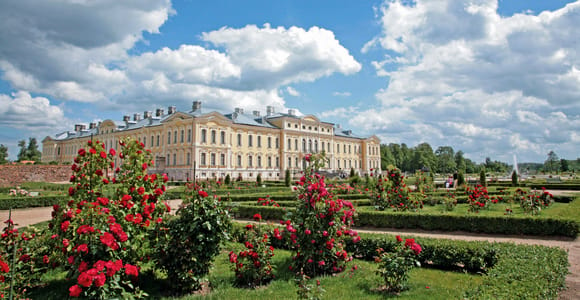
(362, 284)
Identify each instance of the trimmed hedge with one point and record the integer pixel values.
(470, 223)
(511, 271)
(555, 186)
(24, 202)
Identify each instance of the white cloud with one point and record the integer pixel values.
(292, 92)
(461, 70)
(21, 110)
(341, 94)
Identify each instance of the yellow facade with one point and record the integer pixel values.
(212, 145)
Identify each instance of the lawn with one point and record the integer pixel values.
(361, 284)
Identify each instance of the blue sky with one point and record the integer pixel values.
(491, 78)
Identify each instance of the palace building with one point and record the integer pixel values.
(212, 145)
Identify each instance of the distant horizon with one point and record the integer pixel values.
(491, 78)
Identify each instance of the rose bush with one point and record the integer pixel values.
(252, 265)
(394, 267)
(320, 224)
(109, 227)
(392, 192)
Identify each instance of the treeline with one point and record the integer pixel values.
(443, 160)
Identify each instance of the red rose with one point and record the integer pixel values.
(83, 248)
(100, 280)
(64, 225)
(82, 152)
(399, 239)
(103, 154)
(93, 151)
(75, 291)
(131, 270)
(112, 152)
(85, 279)
(257, 217)
(144, 166)
(141, 190)
(202, 193)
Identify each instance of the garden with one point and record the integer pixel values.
(115, 237)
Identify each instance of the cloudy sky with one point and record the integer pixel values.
(491, 78)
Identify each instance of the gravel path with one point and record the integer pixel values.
(28, 216)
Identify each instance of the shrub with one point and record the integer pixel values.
(253, 266)
(228, 180)
(319, 225)
(460, 178)
(482, 179)
(193, 239)
(259, 179)
(392, 192)
(394, 266)
(287, 178)
(514, 178)
(101, 236)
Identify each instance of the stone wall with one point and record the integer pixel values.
(13, 175)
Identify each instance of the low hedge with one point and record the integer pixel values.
(470, 223)
(555, 186)
(511, 271)
(24, 202)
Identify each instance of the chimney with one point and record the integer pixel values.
(196, 106)
(136, 117)
(126, 118)
(239, 111)
(78, 127)
(338, 126)
(256, 113)
(147, 114)
(92, 125)
(159, 112)
(234, 115)
(269, 110)
(292, 112)
(171, 110)
(83, 127)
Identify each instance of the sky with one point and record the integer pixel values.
(491, 78)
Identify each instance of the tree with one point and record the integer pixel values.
(552, 162)
(32, 150)
(22, 153)
(3, 154)
(387, 157)
(482, 178)
(564, 165)
(29, 152)
(514, 178)
(445, 159)
(423, 157)
(460, 163)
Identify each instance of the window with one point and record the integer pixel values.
(182, 137)
(203, 135)
(269, 142)
(145, 140)
(152, 140)
(277, 143)
(213, 137)
(239, 139)
(259, 161)
(250, 140)
(203, 159)
(344, 150)
(250, 162)
(168, 162)
(223, 137)
(296, 144)
(188, 158)
(289, 125)
(212, 159)
(174, 159)
(175, 137)
(338, 161)
(289, 162)
(277, 162)
(303, 145)
(222, 159)
(239, 164)
(289, 144)
(309, 145)
(296, 162)
(316, 146)
(189, 135)
(269, 162)
(348, 149)
(158, 138)
(322, 146)
(168, 138)
(337, 148)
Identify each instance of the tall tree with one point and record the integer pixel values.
(387, 157)
(460, 161)
(564, 165)
(445, 159)
(423, 157)
(552, 162)
(32, 151)
(3, 154)
(22, 153)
